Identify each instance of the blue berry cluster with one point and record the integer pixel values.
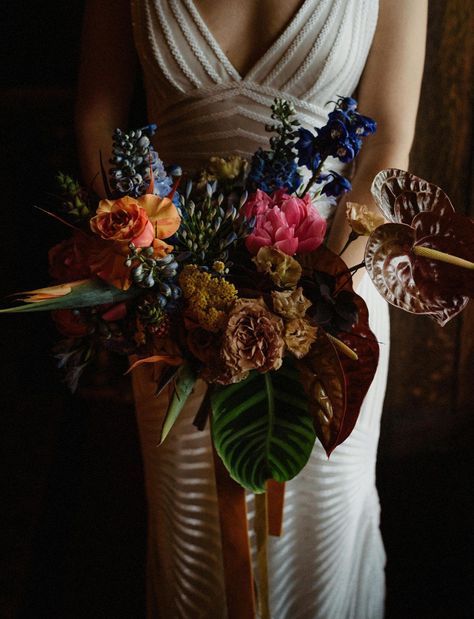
(133, 156)
(158, 274)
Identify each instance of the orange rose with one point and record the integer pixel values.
(123, 220)
(67, 262)
(144, 221)
(162, 213)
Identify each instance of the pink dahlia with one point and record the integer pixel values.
(292, 225)
(257, 203)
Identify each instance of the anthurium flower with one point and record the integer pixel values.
(292, 225)
(423, 260)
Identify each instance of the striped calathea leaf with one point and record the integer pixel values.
(262, 428)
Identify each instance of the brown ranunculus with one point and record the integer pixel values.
(206, 347)
(299, 335)
(253, 338)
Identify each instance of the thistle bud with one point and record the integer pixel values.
(189, 186)
(243, 199)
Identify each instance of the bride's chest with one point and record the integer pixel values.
(245, 29)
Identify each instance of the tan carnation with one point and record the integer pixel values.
(362, 220)
(284, 270)
(290, 303)
(222, 375)
(299, 335)
(229, 168)
(253, 338)
(222, 169)
(206, 347)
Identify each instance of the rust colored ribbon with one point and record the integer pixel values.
(275, 502)
(268, 520)
(261, 534)
(237, 561)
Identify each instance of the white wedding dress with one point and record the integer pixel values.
(329, 562)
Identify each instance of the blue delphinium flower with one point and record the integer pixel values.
(340, 137)
(308, 155)
(334, 184)
(269, 174)
(347, 104)
(276, 168)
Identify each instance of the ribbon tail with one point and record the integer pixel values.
(237, 561)
(275, 503)
(261, 534)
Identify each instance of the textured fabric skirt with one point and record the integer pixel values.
(329, 561)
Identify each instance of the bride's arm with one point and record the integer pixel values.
(388, 92)
(106, 80)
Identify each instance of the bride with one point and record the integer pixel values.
(211, 71)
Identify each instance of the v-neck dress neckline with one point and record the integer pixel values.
(237, 74)
(204, 107)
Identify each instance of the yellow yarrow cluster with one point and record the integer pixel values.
(208, 298)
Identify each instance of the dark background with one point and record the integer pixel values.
(73, 507)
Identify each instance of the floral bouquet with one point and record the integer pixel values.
(226, 278)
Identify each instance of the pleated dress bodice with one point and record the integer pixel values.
(204, 106)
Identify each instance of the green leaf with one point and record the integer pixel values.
(261, 427)
(182, 389)
(91, 292)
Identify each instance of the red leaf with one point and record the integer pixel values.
(323, 380)
(358, 373)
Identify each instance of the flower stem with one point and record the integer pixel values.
(348, 273)
(352, 237)
(428, 252)
(312, 180)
